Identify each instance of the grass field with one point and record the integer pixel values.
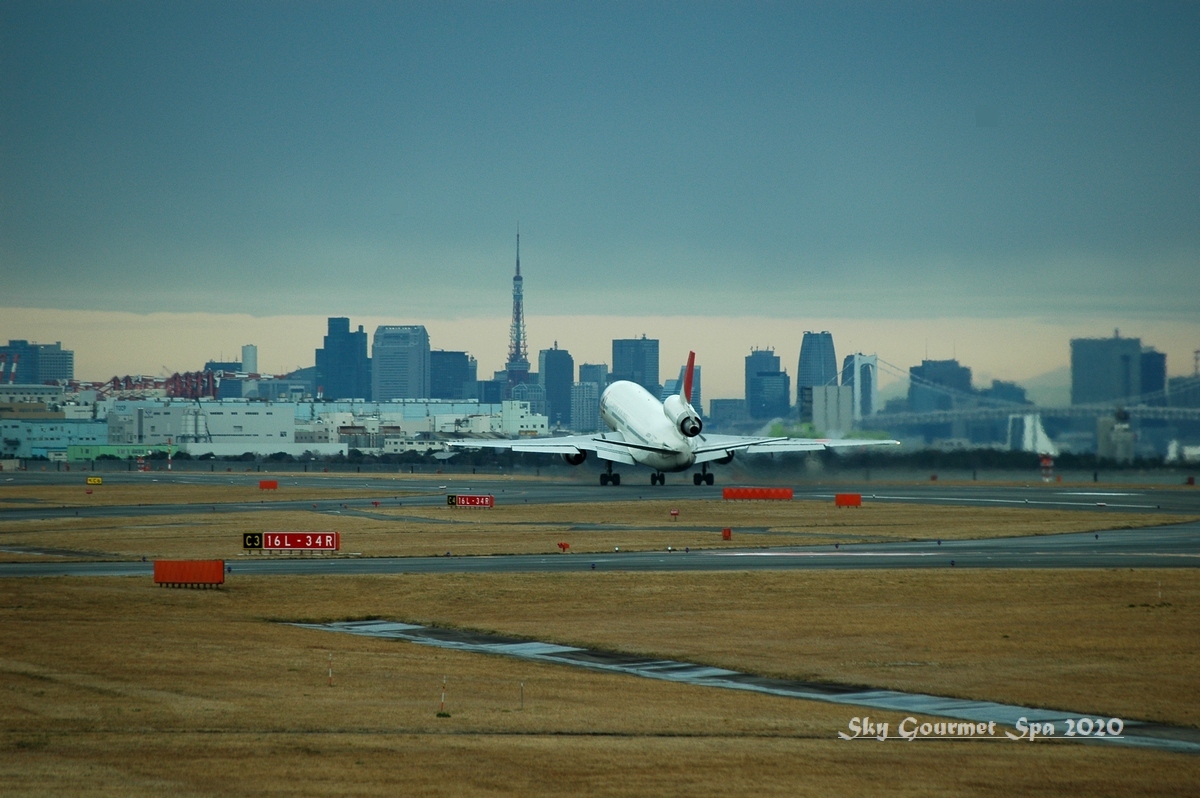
(526, 529)
(114, 686)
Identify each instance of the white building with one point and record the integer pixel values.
(252, 424)
(419, 445)
(516, 420)
(250, 359)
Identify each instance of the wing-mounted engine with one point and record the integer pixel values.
(576, 458)
(683, 416)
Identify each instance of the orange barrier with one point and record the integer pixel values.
(847, 500)
(776, 494)
(189, 573)
(268, 484)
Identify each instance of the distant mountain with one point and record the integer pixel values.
(1052, 389)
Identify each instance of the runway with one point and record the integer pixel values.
(1155, 547)
(426, 491)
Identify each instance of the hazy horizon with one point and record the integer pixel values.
(987, 179)
(114, 344)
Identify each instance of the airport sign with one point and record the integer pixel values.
(95, 480)
(470, 501)
(292, 541)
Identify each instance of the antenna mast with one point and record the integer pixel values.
(518, 351)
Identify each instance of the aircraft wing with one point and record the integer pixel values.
(715, 447)
(608, 446)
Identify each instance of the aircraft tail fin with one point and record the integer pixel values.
(686, 389)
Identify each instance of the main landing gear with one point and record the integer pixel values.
(658, 478)
(609, 478)
(703, 478)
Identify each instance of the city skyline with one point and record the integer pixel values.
(287, 343)
(983, 181)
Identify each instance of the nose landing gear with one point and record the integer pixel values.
(658, 478)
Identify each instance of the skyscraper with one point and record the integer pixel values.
(250, 359)
(768, 390)
(533, 393)
(585, 407)
(517, 367)
(818, 362)
(35, 364)
(400, 362)
(1154, 373)
(594, 372)
(672, 387)
(934, 384)
(556, 373)
(636, 360)
(1105, 369)
(585, 396)
(450, 374)
(343, 368)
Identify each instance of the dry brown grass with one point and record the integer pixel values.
(532, 529)
(448, 764)
(1061, 639)
(116, 687)
(123, 494)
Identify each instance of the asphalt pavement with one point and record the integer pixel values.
(423, 491)
(1155, 547)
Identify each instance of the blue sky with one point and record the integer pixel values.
(782, 160)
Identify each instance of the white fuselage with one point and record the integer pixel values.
(629, 409)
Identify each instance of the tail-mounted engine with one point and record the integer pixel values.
(683, 416)
(576, 458)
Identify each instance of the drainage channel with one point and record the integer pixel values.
(1138, 734)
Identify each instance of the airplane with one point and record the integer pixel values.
(666, 436)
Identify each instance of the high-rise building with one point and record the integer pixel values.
(860, 372)
(556, 373)
(517, 367)
(343, 368)
(768, 390)
(934, 384)
(250, 359)
(818, 362)
(1105, 369)
(451, 374)
(486, 392)
(532, 393)
(35, 364)
(594, 372)
(636, 360)
(672, 387)
(1154, 373)
(723, 412)
(400, 362)
(585, 407)
(1005, 392)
